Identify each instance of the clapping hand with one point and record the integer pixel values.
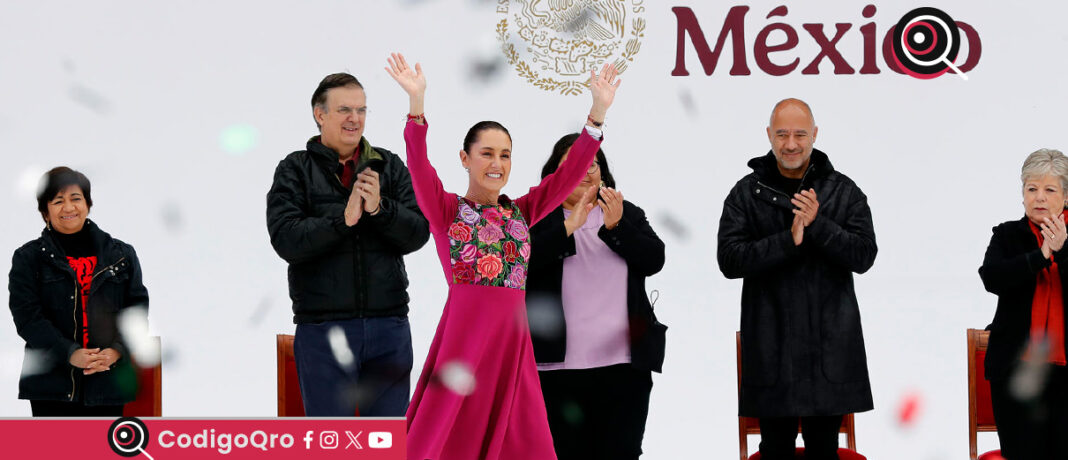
(1053, 234)
(370, 190)
(581, 211)
(805, 214)
(611, 203)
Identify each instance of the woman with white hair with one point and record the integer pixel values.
(1023, 268)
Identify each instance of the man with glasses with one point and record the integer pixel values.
(795, 230)
(342, 214)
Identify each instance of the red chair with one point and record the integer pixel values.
(149, 400)
(290, 403)
(980, 411)
(750, 425)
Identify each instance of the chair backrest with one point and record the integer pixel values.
(290, 403)
(980, 410)
(149, 399)
(751, 425)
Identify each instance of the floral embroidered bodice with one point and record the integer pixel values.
(489, 245)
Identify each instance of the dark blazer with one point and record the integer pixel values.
(337, 272)
(636, 242)
(42, 287)
(1010, 268)
(802, 341)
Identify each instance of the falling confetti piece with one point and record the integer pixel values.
(90, 99)
(133, 325)
(674, 225)
(35, 362)
(339, 345)
(909, 409)
(239, 139)
(260, 312)
(457, 377)
(171, 214)
(688, 103)
(1029, 379)
(29, 183)
(546, 320)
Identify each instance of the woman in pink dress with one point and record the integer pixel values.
(478, 396)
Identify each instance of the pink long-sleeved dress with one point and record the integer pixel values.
(478, 396)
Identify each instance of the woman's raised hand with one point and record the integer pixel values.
(412, 80)
(603, 88)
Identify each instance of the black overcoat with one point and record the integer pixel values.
(1010, 268)
(802, 343)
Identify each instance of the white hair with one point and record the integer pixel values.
(1045, 162)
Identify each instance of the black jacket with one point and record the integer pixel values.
(1010, 268)
(43, 304)
(636, 242)
(337, 272)
(802, 344)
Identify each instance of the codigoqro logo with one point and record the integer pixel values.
(926, 42)
(553, 44)
(128, 437)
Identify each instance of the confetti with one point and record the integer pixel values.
(90, 99)
(339, 345)
(133, 325)
(908, 410)
(457, 377)
(239, 139)
(674, 225)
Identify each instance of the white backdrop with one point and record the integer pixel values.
(138, 94)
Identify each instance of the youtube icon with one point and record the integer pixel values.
(380, 440)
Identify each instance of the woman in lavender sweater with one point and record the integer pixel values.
(595, 337)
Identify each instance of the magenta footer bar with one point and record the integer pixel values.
(165, 439)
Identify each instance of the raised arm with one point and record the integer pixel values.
(547, 195)
(440, 208)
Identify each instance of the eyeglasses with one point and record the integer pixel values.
(593, 168)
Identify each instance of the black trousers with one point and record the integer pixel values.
(377, 380)
(778, 437)
(597, 413)
(1034, 429)
(43, 408)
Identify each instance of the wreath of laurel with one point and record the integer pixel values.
(567, 88)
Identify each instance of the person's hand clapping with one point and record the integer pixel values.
(581, 211)
(611, 203)
(370, 190)
(1053, 234)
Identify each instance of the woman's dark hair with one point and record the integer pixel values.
(475, 131)
(561, 148)
(58, 179)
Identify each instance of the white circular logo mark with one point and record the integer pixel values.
(553, 44)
